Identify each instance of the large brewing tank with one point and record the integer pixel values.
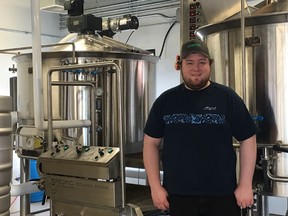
(264, 88)
(137, 76)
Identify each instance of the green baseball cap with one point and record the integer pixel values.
(194, 46)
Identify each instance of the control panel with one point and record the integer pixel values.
(192, 18)
(82, 153)
(96, 162)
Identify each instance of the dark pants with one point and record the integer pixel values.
(203, 205)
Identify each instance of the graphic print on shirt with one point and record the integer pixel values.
(184, 118)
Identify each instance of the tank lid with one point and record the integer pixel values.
(84, 43)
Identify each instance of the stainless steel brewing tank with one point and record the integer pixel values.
(265, 86)
(137, 72)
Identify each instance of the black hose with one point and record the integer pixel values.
(164, 41)
(129, 36)
(279, 148)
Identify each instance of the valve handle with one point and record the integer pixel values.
(279, 148)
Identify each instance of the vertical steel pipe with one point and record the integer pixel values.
(243, 50)
(24, 177)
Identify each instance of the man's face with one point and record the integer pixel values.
(196, 71)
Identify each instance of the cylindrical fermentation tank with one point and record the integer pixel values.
(137, 71)
(265, 84)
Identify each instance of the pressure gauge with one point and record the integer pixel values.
(99, 91)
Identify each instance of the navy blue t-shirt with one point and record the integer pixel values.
(197, 128)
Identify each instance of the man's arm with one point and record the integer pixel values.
(152, 167)
(244, 191)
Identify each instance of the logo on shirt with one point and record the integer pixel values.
(210, 108)
(194, 119)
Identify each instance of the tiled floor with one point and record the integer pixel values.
(35, 208)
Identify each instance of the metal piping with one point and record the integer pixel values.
(63, 19)
(38, 78)
(37, 64)
(110, 8)
(37, 75)
(26, 32)
(24, 188)
(268, 173)
(6, 51)
(121, 135)
(24, 177)
(243, 50)
(30, 47)
(68, 123)
(276, 178)
(120, 111)
(38, 93)
(124, 11)
(92, 105)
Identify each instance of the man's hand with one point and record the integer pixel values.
(244, 196)
(159, 197)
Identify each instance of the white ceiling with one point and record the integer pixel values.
(164, 10)
(102, 3)
(106, 8)
(147, 11)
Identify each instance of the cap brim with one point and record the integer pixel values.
(193, 52)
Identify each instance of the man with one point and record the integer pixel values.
(196, 121)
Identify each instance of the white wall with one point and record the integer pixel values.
(15, 31)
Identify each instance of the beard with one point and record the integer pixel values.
(195, 85)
